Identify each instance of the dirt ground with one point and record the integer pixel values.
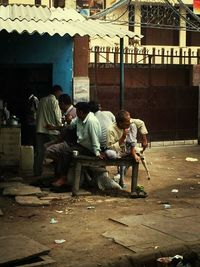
(86, 218)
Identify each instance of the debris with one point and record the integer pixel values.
(167, 206)
(165, 260)
(178, 257)
(59, 211)
(156, 247)
(53, 221)
(192, 188)
(90, 207)
(174, 191)
(59, 241)
(179, 179)
(67, 211)
(191, 159)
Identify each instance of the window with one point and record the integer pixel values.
(59, 3)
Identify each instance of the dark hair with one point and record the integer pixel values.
(83, 106)
(56, 88)
(121, 116)
(65, 98)
(94, 106)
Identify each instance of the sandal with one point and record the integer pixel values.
(139, 194)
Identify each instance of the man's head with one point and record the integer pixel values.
(64, 102)
(94, 106)
(82, 110)
(123, 119)
(56, 90)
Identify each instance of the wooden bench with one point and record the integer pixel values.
(86, 161)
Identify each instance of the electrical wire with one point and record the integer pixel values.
(190, 26)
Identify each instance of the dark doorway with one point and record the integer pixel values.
(18, 82)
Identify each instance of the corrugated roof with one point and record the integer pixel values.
(36, 13)
(32, 19)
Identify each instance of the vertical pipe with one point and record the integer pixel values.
(199, 116)
(95, 72)
(121, 100)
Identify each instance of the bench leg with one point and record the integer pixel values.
(77, 176)
(134, 177)
(122, 174)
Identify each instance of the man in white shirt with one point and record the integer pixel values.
(105, 118)
(48, 113)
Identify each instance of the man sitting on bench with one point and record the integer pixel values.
(122, 137)
(88, 132)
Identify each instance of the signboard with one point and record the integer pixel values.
(196, 7)
(81, 89)
(196, 75)
(89, 7)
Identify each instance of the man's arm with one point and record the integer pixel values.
(115, 142)
(142, 130)
(94, 134)
(57, 113)
(140, 126)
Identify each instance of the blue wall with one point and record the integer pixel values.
(36, 49)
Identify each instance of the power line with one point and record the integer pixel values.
(155, 16)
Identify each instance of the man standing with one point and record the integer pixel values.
(48, 113)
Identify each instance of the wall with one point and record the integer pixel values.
(35, 49)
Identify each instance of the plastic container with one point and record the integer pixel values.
(26, 160)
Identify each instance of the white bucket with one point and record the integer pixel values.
(26, 160)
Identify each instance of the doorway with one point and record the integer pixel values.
(18, 82)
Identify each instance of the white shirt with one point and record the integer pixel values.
(48, 113)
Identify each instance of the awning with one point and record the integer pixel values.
(42, 20)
